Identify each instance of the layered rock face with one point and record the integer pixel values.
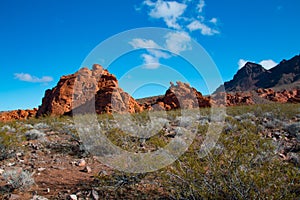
(87, 91)
(17, 115)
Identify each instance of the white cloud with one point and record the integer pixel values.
(169, 11)
(178, 42)
(213, 20)
(139, 43)
(149, 3)
(200, 6)
(153, 55)
(33, 79)
(268, 64)
(150, 61)
(242, 63)
(175, 15)
(175, 42)
(158, 53)
(152, 58)
(205, 30)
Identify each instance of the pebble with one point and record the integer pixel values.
(14, 197)
(73, 197)
(37, 197)
(19, 154)
(87, 169)
(102, 173)
(41, 169)
(95, 195)
(81, 163)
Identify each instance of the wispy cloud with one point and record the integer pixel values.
(150, 61)
(200, 6)
(267, 64)
(183, 16)
(178, 42)
(33, 79)
(175, 43)
(153, 55)
(143, 43)
(205, 30)
(213, 20)
(169, 11)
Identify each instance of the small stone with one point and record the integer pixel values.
(1, 171)
(37, 197)
(73, 197)
(87, 169)
(19, 154)
(81, 163)
(102, 173)
(14, 197)
(95, 195)
(11, 164)
(40, 169)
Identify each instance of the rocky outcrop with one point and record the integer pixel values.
(284, 96)
(232, 99)
(17, 115)
(181, 96)
(87, 91)
(253, 76)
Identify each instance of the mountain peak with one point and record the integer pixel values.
(250, 70)
(253, 76)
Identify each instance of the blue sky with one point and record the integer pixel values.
(41, 40)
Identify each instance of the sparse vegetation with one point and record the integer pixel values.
(18, 179)
(255, 157)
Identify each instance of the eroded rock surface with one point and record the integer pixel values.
(87, 91)
(17, 115)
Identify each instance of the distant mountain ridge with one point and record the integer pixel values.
(253, 76)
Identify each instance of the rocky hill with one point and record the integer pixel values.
(253, 76)
(86, 91)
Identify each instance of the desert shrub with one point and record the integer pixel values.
(121, 185)
(8, 129)
(8, 144)
(242, 166)
(293, 130)
(34, 134)
(41, 125)
(18, 178)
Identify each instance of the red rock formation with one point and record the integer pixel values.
(17, 115)
(239, 98)
(232, 99)
(280, 96)
(183, 96)
(296, 98)
(87, 91)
